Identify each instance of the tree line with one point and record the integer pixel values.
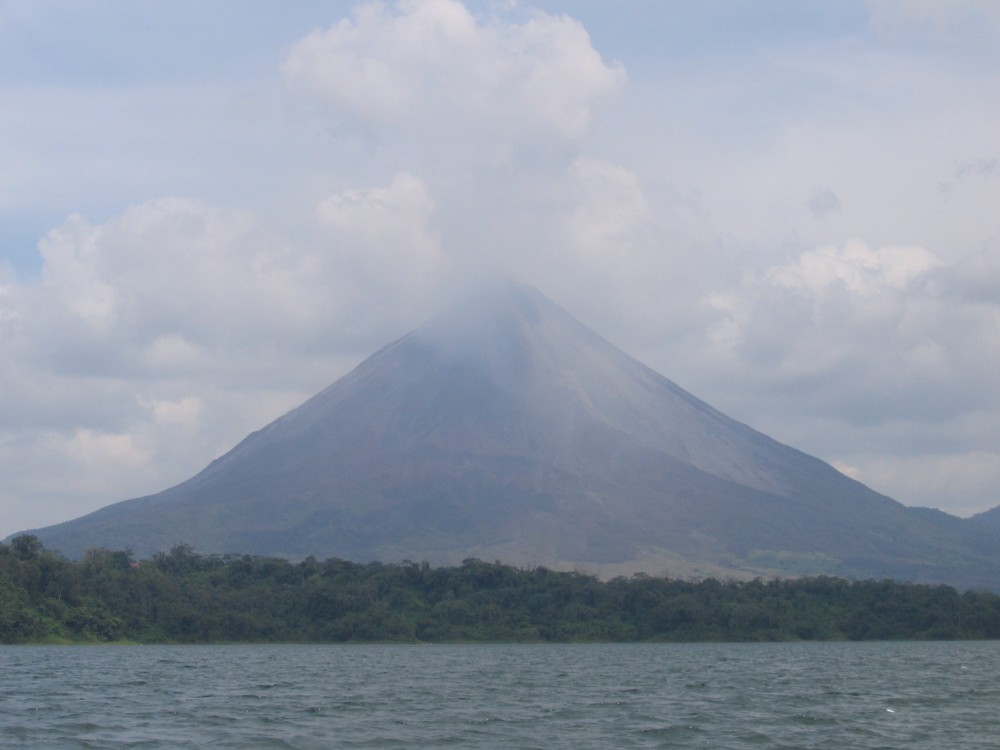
(184, 597)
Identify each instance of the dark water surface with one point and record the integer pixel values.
(806, 695)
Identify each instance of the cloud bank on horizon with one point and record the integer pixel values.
(789, 209)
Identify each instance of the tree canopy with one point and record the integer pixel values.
(183, 597)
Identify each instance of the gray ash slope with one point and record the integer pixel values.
(506, 429)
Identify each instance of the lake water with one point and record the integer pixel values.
(803, 695)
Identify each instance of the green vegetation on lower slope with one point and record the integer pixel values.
(183, 597)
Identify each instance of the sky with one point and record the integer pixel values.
(209, 213)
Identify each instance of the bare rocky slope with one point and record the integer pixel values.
(507, 430)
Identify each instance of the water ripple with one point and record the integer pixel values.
(918, 696)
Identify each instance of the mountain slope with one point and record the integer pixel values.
(505, 429)
(988, 519)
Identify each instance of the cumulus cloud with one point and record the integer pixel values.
(431, 67)
(849, 315)
(866, 337)
(610, 255)
(169, 273)
(856, 267)
(384, 239)
(169, 284)
(609, 204)
(489, 114)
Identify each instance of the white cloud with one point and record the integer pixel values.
(854, 315)
(96, 453)
(863, 341)
(609, 205)
(72, 280)
(856, 267)
(382, 247)
(66, 471)
(168, 281)
(430, 67)
(172, 353)
(183, 412)
(964, 482)
(385, 235)
(601, 251)
(851, 471)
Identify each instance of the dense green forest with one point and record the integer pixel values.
(184, 597)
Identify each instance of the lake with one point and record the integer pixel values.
(735, 696)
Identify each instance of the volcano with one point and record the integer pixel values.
(505, 429)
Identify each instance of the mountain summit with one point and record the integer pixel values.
(504, 428)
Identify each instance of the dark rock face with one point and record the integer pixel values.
(506, 429)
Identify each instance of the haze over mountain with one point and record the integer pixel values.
(505, 429)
